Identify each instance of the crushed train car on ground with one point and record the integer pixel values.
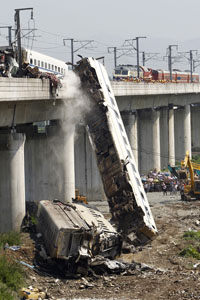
(121, 180)
(76, 233)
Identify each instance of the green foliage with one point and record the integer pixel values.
(10, 238)
(6, 294)
(196, 159)
(34, 220)
(11, 273)
(192, 235)
(190, 251)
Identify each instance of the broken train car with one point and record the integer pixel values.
(121, 180)
(75, 233)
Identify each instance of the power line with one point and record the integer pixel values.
(115, 49)
(83, 45)
(170, 59)
(18, 33)
(130, 43)
(9, 34)
(150, 56)
(54, 34)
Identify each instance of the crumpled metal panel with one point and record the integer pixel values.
(74, 231)
(121, 180)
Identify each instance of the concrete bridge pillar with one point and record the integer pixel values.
(68, 165)
(164, 136)
(50, 164)
(156, 139)
(12, 183)
(88, 180)
(187, 129)
(171, 138)
(130, 120)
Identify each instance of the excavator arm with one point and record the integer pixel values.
(187, 163)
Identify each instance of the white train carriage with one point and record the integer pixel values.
(46, 63)
(76, 232)
(121, 180)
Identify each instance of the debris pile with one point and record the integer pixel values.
(31, 293)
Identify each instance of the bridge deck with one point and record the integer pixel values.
(20, 89)
(26, 89)
(142, 88)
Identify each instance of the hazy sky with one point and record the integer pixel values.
(109, 23)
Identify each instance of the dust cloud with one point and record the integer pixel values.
(75, 104)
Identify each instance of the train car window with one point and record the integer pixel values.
(49, 66)
(45, 65)
(62, 70)
(38, 63)
(35, 62)
(52, 67)
(58, 69)
(124, 72)
(118, 72)
(42, 64)
(31, 61)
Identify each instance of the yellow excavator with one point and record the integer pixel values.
(192, 183)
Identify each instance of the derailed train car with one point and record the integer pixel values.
(75, 233)
(121, 180)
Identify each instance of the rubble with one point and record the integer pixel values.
(160, 273)
(31, 293)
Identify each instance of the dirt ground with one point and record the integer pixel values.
(170, 277)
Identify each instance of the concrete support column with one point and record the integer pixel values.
(171, 138)
(156, 140)
(88, 180)
(187, 129)
(131, 125)
(12, 182)
(50, 163)
(69, 166)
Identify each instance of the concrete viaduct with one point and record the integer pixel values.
(162, 122)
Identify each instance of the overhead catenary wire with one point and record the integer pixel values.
(32, 41)
(150, 152)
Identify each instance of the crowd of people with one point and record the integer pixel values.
(161, 182)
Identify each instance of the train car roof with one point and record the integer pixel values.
(44, 56)
(129, 67)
